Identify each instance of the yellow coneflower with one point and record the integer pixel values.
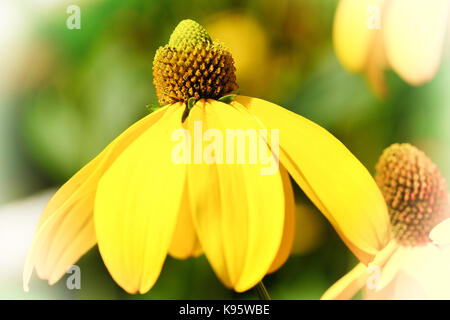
(147, 195)
(407, 35)
(417, 199)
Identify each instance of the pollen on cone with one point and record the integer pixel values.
(414, 190)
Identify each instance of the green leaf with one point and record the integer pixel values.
(228, 98)
(152, 107)
(191, 102)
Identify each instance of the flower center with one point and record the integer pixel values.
(415, 193)
(192, 65)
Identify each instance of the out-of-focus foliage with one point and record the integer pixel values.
(70, 92)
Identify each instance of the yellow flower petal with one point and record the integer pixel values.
(137, 204)
(65, 229)
(337, 183)
(289, 223)
(391, 265)
(353, 40)
(414, 33)
(185, 242)
(237, 211)
(375, 68)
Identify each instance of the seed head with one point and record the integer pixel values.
(414, 191)
(192, 65)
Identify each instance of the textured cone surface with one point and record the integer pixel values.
(415, 192)
(192, 65)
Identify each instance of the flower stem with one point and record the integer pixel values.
(261, 291)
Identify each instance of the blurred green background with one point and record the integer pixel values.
(65, 94)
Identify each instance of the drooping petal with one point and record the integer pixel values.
(238, 212)
(421, 272)
(440, 234)
(427, 265)
(391, 267)
(414, 33)
(185, 242)
(137, 204)
(336, 182)
(402, 287)
(289, 223)
(65, 229)
(354, 32)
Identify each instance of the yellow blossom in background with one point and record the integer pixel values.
(309, 229)
(416, 264)
(236, 29)
(138, 202)
(408, 36)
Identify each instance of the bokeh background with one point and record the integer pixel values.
(65, 94)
